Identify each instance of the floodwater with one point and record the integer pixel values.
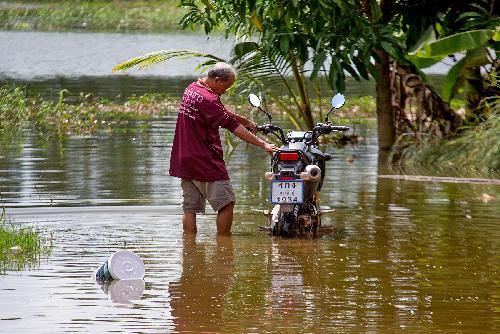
(46, 62)
(82, 62)
(403, 256)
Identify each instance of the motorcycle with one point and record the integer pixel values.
(297, 175)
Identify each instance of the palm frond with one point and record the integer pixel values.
(163, 55)
(264, 68)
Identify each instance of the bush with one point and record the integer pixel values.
(20, 247)
(475, 152)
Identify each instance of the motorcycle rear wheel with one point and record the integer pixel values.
(283, 225)
(288, 226)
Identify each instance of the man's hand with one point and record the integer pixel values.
(270, 148)
(249, 137)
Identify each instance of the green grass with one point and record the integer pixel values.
(90, 115)
(363, 106)
(117, 16)
(20, 247)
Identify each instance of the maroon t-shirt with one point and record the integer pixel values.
(197, 149)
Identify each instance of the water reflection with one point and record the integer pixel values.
(123, 291)
(198, 300)
(291, 296)
(113, 87)
(36, 171)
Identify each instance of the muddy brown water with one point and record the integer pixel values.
(403, 256)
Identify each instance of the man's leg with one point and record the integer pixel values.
(225, 219)
(189, 223)
(193, 202)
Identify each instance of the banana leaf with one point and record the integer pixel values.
(458, 42)
(463, 70)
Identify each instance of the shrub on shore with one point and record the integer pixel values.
(117, 16)
(475, 152)
(92, 114)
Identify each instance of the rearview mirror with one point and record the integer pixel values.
(254, 100)
(338, 101)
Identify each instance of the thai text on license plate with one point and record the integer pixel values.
(288, 192)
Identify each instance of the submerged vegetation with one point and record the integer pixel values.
(89, 115)
(118, 16)
(475, 152)
(20, 247)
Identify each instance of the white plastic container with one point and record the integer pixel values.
(122, 265)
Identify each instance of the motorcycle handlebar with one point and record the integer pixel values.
(261, 128)
(323, 128)
(268, 127)
(339, 128)
(276, 130)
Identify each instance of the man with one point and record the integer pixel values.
(197, 156)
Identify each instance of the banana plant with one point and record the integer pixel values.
(478, 48)
(470, 34)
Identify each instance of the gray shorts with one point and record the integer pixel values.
(196, 193)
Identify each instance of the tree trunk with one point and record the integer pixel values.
(305, 107)
(385, 119)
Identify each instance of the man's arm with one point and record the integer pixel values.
(244, 121)
(242, 133)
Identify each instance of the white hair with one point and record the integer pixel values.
(222, 70)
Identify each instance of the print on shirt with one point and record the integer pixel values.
(189, 99)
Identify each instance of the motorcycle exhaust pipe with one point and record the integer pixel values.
(311, 173)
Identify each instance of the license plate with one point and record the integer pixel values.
(287, 192)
